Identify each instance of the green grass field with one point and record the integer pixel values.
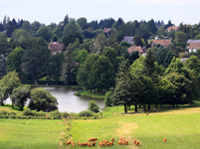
(180, 127)
(30, 134)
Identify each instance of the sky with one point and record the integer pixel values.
(48, 11)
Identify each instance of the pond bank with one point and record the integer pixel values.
(90, 94)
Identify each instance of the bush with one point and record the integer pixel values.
(28, 112)
(72, 114)
(11, 113)
(64, 114)
(55, 114)
(93, 106)
(86, 113)
(40, 113)
(12, 116)
(96, 116)
(3, 112)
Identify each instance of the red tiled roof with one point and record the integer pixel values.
(172, 28)
(194, 45)
(132, 48)
(55, 46)
(165, 43)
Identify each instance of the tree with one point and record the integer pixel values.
(101, 75)
(20, 94)
(84, 70)
(108, 99)
(4, 45)
(149, 64)
(35, 26)
(92, 106)
(9, 29)
(124, 90)
(3, 67)
(55, 66)
(14, 60)
(35, 59)
(151, 26)
(45, 33)
(100, 42)
(27, 26)
(143, 32)
(7, 84)
(42, 99)
(182, 89)
(137, 41)
(19, 35)
(82, 21)
(180, 37)
(82, 55)
(70, 28)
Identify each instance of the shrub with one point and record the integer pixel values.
(12, 116)
(64, 114)
(55, 114)
(72, 114)
(11, 113)
(86, 113)
(40, 113)
(3, 112)
(108, 99)
(96, 116)
(93, 106)
(27, 112)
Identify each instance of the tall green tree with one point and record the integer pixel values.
(27, 26)
(101, 75)
(7, 84)
(70, 28)
(20, 95)
(19, 35)
(35, 59)
(149, 64)
(14, 60)
(81, 21)
(92, 106)
(84, 70)
(123, 94)
(55, 66)
(45, 33)
(3, 67)
(42, 99)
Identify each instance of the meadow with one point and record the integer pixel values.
(180, 127)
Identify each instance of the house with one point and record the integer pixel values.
(193, 46)
(175, 28)
(165, 43)
(189, 41)
(136, 48)
(128, 39)
(108, 30)
(55, 47)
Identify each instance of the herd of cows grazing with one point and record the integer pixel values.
(103, 143)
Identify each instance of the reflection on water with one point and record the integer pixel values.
(68, 102)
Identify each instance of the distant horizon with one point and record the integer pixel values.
(47, 12)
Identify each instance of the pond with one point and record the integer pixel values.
(69, 102)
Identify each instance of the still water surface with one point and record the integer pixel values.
(68, 102)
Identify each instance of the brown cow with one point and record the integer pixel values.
(68, 142)
(165, 140)
(92, 139)
(134, 141)
(137, 143)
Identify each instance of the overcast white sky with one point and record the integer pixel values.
(47, 11)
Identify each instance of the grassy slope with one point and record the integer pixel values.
(33, 134)
(92, 95)
(181, 130)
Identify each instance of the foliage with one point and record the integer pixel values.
(101, 75)
(70, 28)
(108, 99)
(3, 67)
(82, 55)
(55, 114)
(7, 84)
(64, 114)
(86, 113)
(41, 99)
(137, 41)
(55, 66)
(92, 106)
(35, 59)
(19, 35)
(20, 94)
(180, 37)
(28, 112)
(45, 33)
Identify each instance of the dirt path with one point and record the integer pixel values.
(126, 132)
